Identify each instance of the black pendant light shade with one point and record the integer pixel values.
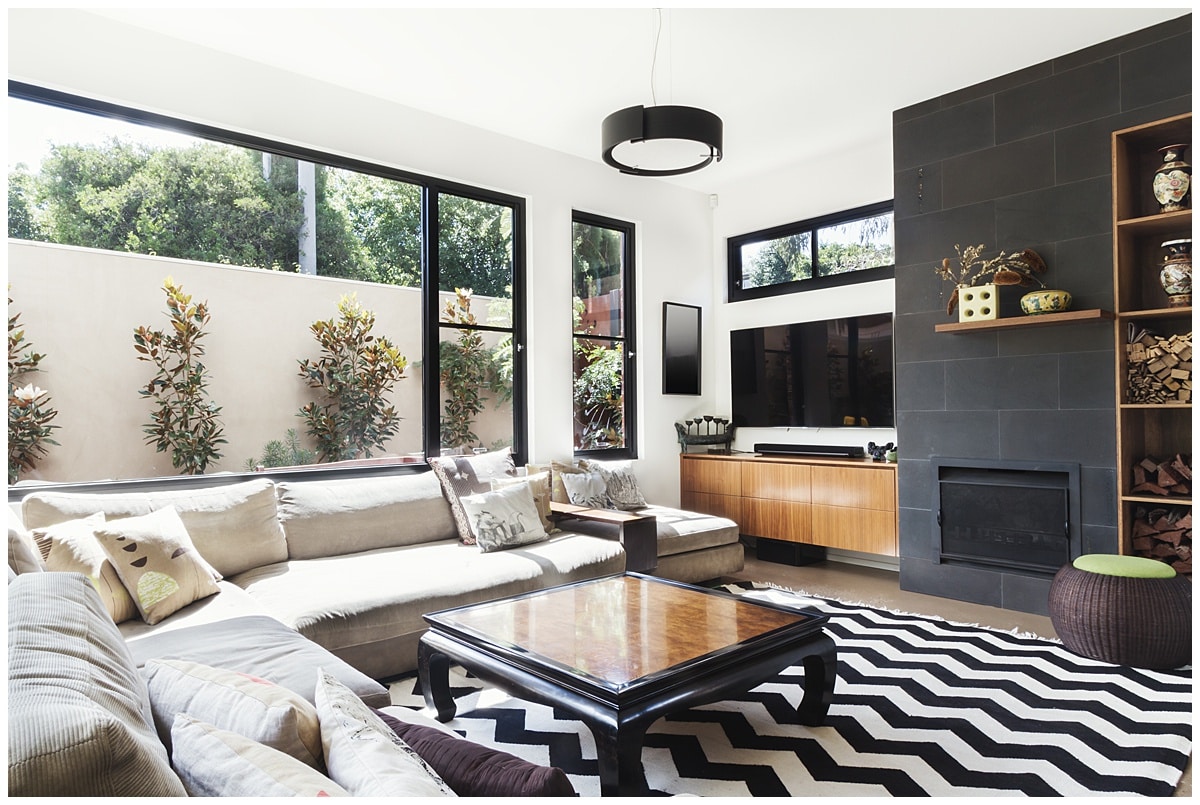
(682, 138)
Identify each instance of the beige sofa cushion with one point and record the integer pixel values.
(218, 763)
(244, 703)
(72, 547)
(22, 554)
(78, 715)
(234, 527)
(342, 602)
(349, 515)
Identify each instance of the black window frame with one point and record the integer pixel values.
(431, 187)
(736, 293)
(629, 368)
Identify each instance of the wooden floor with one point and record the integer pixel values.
(881, 588)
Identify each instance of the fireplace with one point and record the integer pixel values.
(1009, 516)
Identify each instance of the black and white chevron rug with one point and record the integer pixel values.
(921, 707)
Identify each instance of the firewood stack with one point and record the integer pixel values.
(1172, 477)
(1159, 367)
(1164, 533)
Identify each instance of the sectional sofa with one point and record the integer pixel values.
(295, 575)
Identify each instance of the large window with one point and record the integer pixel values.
(296, 255)
(604, 346)
(853, 246)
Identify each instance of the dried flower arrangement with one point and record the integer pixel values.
(1019, 268)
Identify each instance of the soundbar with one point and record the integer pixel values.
(846, 451)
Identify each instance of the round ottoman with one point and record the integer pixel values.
(1126, 610)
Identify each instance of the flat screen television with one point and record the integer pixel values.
(814, 374)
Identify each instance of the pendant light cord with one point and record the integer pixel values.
(654, 57)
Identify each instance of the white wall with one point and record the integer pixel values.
(94, 57)
(861, 175)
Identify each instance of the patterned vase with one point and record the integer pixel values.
(1173, 179)
(1176, 275)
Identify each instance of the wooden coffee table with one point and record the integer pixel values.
(619, 652)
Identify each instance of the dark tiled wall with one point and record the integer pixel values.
(1020, 161)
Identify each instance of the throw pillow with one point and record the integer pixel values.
(503, 519)
(218, 763)
(558, 492)
(586, 489)
(539, 485)
(157, 562)
(363, 755)
(473, 770)
(620, 484)
(470, 475)
(248, 705)
(71, 547)
(22, 553)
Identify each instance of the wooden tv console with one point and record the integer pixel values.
(845, 503)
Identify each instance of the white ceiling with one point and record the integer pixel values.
(792, 85)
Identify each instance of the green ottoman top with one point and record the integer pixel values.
(1134, 567)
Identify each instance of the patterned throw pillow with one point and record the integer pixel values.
(256, 708)
(620, 483)
(539, 485)
(558, 469)
(72, 547)
(218, 763)
(363, 755)
(157, 563)
(470, 475)
(586, 489)
(503, 519)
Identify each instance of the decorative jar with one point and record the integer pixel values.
(1173, 179)
(1045, 301)
(1176, 274)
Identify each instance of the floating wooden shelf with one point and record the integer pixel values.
(1009, 322)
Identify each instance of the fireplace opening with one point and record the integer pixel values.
(1019, 516)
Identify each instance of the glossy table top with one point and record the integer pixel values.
(621, 629)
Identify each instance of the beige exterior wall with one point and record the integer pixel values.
(80, 307)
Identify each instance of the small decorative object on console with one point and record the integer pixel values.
(879, 452)
(1045, 301)
(706, 430)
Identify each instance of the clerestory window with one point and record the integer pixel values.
(847, 247)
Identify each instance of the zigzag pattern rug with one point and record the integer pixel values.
(921, 707)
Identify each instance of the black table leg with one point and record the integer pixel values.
(619, 757)
(433, 669)
(820, 675)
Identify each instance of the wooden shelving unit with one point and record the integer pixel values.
(1159, 430)
(1012, 322)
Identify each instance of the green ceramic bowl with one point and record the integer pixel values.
(1038, 302)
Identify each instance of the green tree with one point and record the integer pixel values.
(206, 202)
(22, 205)
(467, 372)
(368, 228)
(780, 260)
(474, 245)
(597, 255)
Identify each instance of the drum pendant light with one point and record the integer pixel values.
(661, 140)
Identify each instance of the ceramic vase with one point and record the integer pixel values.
(1173, 179)
(1036, 303)
(1176, 274)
